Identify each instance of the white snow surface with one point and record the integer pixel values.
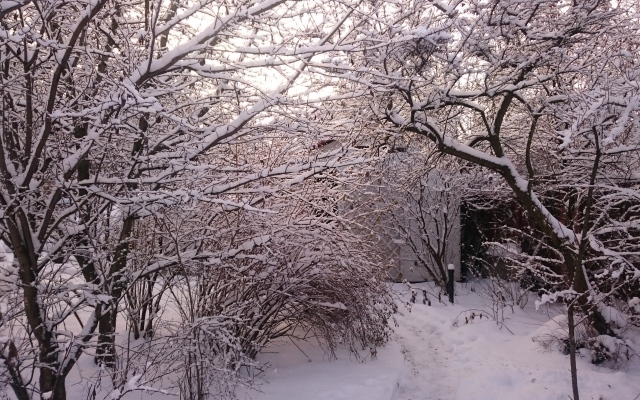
(435, 355)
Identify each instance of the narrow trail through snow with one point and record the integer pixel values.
(426, 373)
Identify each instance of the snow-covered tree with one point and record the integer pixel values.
(542, 93)
(116, 118)
(528, 91)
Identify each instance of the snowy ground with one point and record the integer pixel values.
(436, 355)
(437, 352)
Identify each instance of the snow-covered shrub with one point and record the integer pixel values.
(501, 294)
(553, 335)
(608, 350)
(258, 277)
(604, 350)
(211, 357)
(311, 281)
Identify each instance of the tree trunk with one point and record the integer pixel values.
(13, 367)
(572, 353)
(577, 280)
(105, 353)
(106, 350)
(59, 389)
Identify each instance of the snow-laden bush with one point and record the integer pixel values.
(604, 350)
(316, 278)
(259, 277)
(610, 351)
(288, 290)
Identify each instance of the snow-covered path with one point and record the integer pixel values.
(427, 373)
